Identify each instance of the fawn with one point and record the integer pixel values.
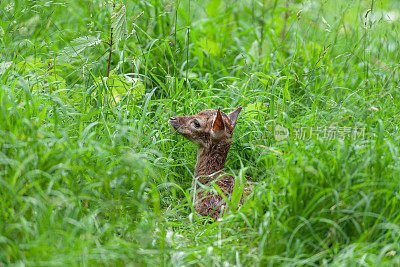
(211, 130)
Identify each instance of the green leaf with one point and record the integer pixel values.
(264, 82)
(210, 46)
(285, 90)
(263, 75)
(121, 86)
(213, 7)
(253, 109)
(118, 22)
(236, 195)
(77, 46)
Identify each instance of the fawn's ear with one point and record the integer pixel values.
(233, 116)
(218, 126)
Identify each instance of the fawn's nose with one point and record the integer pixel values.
(172, 119)
(174, 122)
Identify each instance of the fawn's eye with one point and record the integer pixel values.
(196, 124)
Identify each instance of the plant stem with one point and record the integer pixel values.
(110, 52)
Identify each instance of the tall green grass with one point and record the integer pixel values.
(90, 172)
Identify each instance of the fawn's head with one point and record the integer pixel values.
(208, 127)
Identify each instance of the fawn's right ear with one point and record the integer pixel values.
(218, 126)
(233, 116)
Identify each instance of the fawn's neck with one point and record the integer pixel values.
(210, 160)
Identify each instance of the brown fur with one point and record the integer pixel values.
(212, 131)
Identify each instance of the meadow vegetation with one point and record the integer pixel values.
(91, 172)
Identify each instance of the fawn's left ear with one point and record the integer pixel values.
(234, 116)
(218, 126)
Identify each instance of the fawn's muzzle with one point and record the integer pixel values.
(174, 122)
